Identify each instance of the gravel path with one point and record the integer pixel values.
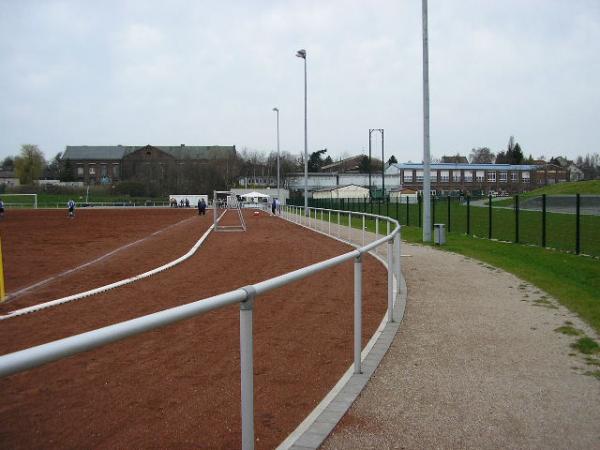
(477, 363)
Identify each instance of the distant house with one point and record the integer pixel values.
(402, 195)
(347, 165)
(350, 191)
(161, 164)
(9, 178)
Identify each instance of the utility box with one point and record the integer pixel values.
(439, 233)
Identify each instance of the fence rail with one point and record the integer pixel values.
(35, 356)
(563, 222)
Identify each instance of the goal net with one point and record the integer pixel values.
(19, 200)
(227, 212)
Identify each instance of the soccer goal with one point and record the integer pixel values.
(225, 205)
(20, 200)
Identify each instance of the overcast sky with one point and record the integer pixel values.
(209, 73)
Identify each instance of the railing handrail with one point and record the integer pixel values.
(41, 354)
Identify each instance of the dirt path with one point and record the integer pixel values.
(179, 386)
(476, 364)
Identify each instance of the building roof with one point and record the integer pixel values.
(335, 188)
(455, 166)
(455, 159)
(117, 152)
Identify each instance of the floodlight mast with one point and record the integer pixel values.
(302, 54)
(277, 111)
(426, 143)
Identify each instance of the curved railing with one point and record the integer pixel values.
(35, 356)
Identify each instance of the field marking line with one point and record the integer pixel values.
(14, 295)
(99, 290)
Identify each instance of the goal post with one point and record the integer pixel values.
(225, 202)
(20, 200)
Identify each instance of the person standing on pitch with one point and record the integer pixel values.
(274, 206)
(201, 207)
(1, 208)
(71, 207)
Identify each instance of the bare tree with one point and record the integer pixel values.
(481, 155)
(30, 163)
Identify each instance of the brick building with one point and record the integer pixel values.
(166, 166)
(449, 177)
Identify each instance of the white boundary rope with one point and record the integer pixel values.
(99, 290)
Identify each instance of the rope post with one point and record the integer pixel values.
(329, 223)
(247, 369)
(357, 313)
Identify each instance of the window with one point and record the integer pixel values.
(92, 170)
(103, 170)
(503, 177)
(115, 170)
(514, 176)
(456, 176)
(444, 176)
(525, 177)
(491, 176)
(408, 176)
(420, 175)
(79, 170)
(468, 174)
(479, 176)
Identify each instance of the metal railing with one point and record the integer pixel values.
(36, 356)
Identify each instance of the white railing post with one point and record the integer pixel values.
(397, 265)
(247, 370)
(363, 230)
(350, 227)
(329, 223)
(357, 312)
(339, 214)
(390, 275)
(376, 232)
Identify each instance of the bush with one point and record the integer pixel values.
(131, 188)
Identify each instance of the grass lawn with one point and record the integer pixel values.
(52, 200)
(573, 280)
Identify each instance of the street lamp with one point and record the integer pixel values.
(277, 111)
(302, 54)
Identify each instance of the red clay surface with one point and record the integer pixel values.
(179, 386)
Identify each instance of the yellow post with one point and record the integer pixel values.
(1, 275)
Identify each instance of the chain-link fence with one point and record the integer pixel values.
(563, 222)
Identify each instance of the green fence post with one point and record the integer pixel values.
(490, 216)
(420, 201)
(543, 220)
(387, 207)
(379, 207)
(577, 224)
(397, 216)
(407, 212)
(516, 219)
(448, 213)
(468, 214)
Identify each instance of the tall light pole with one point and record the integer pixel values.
(302, 54)
(277, 111)
(426, 144)
(371, 131)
